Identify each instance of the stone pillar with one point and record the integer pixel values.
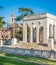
(37, 34)
(14, 41)
(55, 34)
(31, 33)
(51, 31)
(24, 33)
(52, 56)
(45, 41)
(51, 43)
(1, 42)
(55, 31)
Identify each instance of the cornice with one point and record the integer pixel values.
(39, 16)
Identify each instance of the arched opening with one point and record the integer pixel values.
(41, 34)
(34, 35)
(28, 33)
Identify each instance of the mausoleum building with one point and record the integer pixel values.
(39, 28)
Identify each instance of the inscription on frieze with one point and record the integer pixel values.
(34, 17)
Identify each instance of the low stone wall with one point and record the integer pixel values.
(31, 52)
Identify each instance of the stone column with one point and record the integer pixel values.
(37, 34)
(51, 31)
(55, 32)
(31, 33)
(24, 33)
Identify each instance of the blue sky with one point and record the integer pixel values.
(38, 6)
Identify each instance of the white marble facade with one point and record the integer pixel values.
(42, 22)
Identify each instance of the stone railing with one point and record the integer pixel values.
(31, 52)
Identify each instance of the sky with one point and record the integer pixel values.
(38, 6)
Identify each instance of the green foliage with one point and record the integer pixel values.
(19, 34)
(24, 12)
(11, 61)
(40, 60)
(2, 22)
(41, 29)
(19, 18)
(1, 7)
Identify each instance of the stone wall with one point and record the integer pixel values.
(31, 52)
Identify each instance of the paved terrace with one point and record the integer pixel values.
(32, 45)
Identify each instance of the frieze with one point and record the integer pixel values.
(39, 16)
(35, 17)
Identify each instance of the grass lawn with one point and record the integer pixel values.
(27, 58)
(6, 61)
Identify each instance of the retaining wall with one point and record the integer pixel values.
(31, 52)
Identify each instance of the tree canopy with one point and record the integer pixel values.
(2, 22)
(1, 7)
(19, 34)
(24, 12)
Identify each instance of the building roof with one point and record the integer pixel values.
(39, 16)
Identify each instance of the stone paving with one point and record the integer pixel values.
(31, 45)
